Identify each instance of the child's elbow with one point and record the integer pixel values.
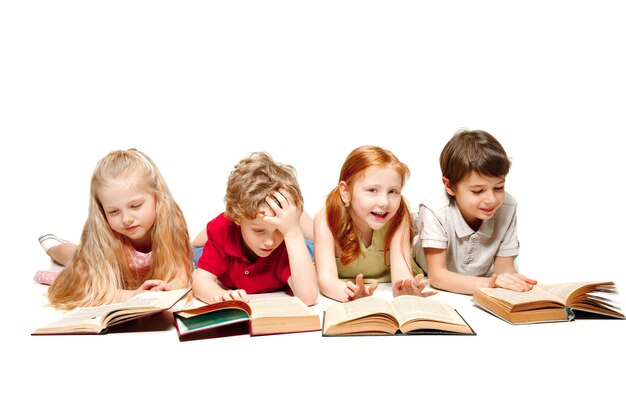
(310, 299)
(435, 280)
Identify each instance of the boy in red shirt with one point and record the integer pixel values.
(257, 244)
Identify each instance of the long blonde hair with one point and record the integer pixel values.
(338, 216)
(100, 265)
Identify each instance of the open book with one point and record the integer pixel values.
(549, 302)
(97, 320)
(406, 314)
(260, 316)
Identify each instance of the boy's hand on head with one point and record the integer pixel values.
(412, 286)
(286, 216)
(512, 281)
(359, 289)
(240, 295)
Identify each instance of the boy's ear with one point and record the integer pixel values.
(446, 184)
(344, 192)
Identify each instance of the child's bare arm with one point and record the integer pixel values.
(148, 285)
(180, 280)
(201, 239)
(287, 217)
(205, 288)
(444, 279)
(306, 224)
(505, 276)
(402, 279)
(330, 284)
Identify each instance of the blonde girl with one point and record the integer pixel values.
(135, 238)
(363, 234)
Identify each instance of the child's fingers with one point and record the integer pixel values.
(286, 196)
(526, 279)
(423, 284)
(373, 286)
(350, 292)
(520, 284)
(280, 198)
(151, 285)
(240, 295)
(274, 206)
(509, 281)
(359, 280)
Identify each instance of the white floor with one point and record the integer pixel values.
(504, 366)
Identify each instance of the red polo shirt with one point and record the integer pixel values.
(223, 256)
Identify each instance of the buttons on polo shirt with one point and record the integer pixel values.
(246, 272)
(470, 249)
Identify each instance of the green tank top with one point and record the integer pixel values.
(371, 261)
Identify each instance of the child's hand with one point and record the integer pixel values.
(232, 295)
(153, 285)
(286, 216)
(515, 282)
(359, 290)
(412, 286)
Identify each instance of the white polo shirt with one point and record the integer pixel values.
(439, 224)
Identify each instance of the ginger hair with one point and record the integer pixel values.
(338, 216)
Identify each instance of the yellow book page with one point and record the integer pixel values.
(515, 297)
(278, 307)
(409, 307)
(564, 291)
(343, 312)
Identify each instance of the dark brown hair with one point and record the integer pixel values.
(473, 150)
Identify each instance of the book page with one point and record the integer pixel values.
(342, 312)
(144, 302)
(278, 307)
(161, 299)
(409, 307)
(564, 290)
(515, 297)
(366, 306)
(84, 315)
(150, 300)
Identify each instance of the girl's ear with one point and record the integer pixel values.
(344, 193)
(449, 189)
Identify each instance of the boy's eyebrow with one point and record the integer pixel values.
(485, 185)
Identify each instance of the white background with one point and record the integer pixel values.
(199, 85)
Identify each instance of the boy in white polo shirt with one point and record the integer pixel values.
(467, 238)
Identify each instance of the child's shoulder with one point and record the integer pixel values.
(509, 200)
(320, 215)
(220, 223)
(437, 202)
